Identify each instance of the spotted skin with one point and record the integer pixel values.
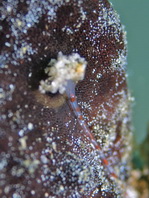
(32, 33)
(72, 99)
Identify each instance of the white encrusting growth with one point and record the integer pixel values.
(62, 70)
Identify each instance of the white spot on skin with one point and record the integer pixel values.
(31, 165)
(30, 74)
(54, 146)
(12, 87)
(30, 126)
(61, 188)
(33, 192)
(9, 8)
(16, 195)
(3, 163)
(7, 44)
(46, 194)
(44, 159)
(21, 132)
(23, 143)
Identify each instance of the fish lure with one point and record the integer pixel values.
(64, 74)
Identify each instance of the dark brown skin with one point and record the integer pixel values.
(43, 152)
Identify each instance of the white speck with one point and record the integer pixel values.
(54, 146)
(9, 8)
(3, 163)
(26, 106)
(23, 142)
(7, 44)
(44, 159)
(46, 194)
(21, 132)
(49, 139)
(99, 75)
(61, 188)
(29, 25)
(11, 87)
(15, 195)
(33, 192)
(30, 74)
(30, 126)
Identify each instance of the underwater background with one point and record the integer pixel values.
(134, 15)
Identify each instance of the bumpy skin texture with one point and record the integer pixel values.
(43, 150)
